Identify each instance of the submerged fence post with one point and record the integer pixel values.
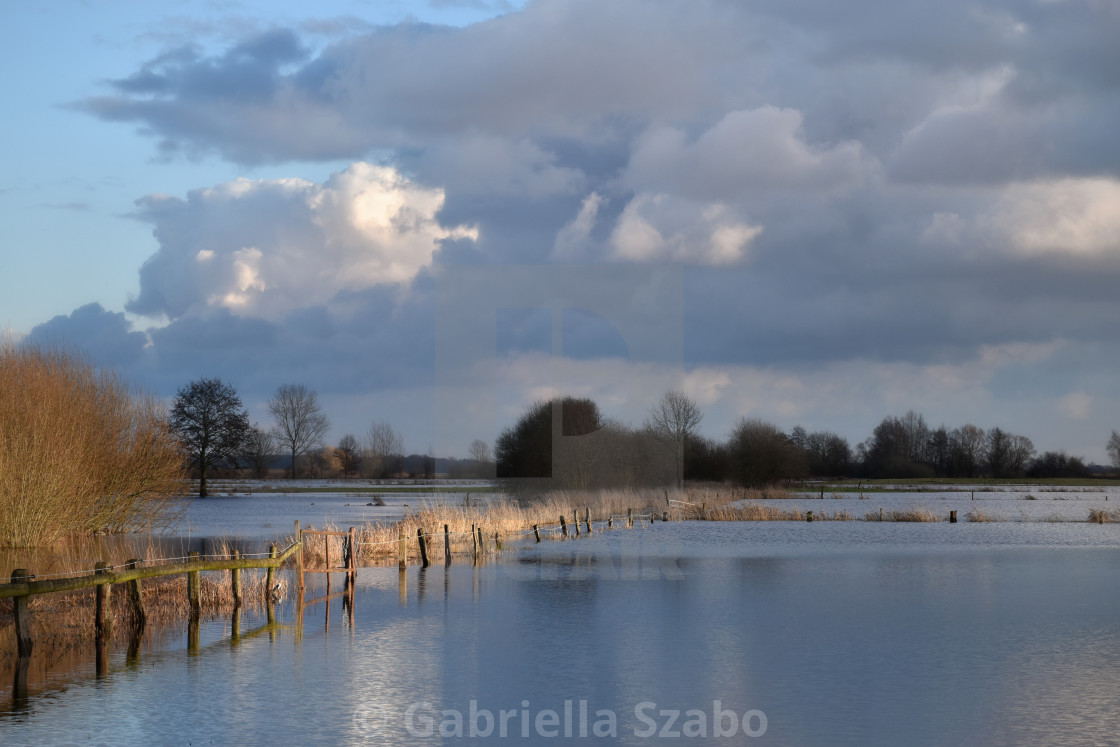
(423, 548)
(402, 550)
(194, 587)
(537, 533)
(587, 519)
(474, 543)
(269, 573)
(353, 559)
(952, 517)
(235, 580)
(629, 518)
(299, 556)
(481, 542)
(809, 516)
(575, 520)
(563, 525)
(446, 545)
(135, 600)
(103, 625)
(23, 619)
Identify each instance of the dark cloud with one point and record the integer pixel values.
(106, 335)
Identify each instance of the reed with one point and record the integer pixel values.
(1103, 516)
(978, 515)
(907, 514)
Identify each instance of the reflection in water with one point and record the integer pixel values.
(874, 645)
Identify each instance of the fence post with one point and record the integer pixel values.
(536, 533)
(269, 573)
(299, 556)
(629, 518)
(23, 619)
(664, 516)
(563, 525)
(481, 542)
(587, 518)
(353, 564)
(575, 519)
(402, 550)
(194, 587)
(135, 600)
(423, 548)
(809, 516)
(952, 517)
(474, 543)
(235, 580)
(610, 522)
(446, 545)
(497, 543)
(103, 625)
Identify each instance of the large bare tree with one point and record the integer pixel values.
(672, 420)
(300, 424)
(211, 424)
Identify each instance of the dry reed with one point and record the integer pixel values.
(82, 451)
(1103, 516)
(908, 514)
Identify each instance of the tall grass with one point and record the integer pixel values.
(81, 451)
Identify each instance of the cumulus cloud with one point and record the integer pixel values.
(664, 228)
(106, 335)
(263, 248)
(744, 152)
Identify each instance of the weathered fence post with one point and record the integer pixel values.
(563, 525)
(423, 548)
(402, 550)
(809, 516)
(575, 520)
(497, 543)
(481, 542)
(537, 533)
(353, 559)
(235, 580)
(629, 518)
(952, 517)
(446, 545)
(194, 586)
(299, 556)
(135, 600)
(23, 619)
(610, 522)
(103, 625)
(587, 519)
(268, 576)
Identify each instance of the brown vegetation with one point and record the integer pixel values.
(82, 451)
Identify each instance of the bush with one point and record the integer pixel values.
(80, 450)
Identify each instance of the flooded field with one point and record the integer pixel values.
(852, 633)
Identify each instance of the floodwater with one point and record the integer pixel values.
(780, 633)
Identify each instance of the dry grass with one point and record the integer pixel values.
(1103, 516)
(908, 514)
(82, 451)
(755, 512)
(978, 515)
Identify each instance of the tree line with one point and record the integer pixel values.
(215, 434)
(566, 442)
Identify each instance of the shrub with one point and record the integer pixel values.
(80, 450)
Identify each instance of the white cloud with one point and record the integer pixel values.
(1079, 216)
(664, 228)
(263, 248)
(573, 240)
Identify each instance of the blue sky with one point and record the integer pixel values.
(795, 213)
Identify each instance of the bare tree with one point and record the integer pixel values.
(349, 455)
(1113, 449)
(300, 424)
(673, 419)
(384, 449)
(479, 451)
(211, 424)
(257, 450)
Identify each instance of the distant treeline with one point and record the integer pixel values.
(756, 453)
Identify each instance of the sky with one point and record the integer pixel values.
(434, 212)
